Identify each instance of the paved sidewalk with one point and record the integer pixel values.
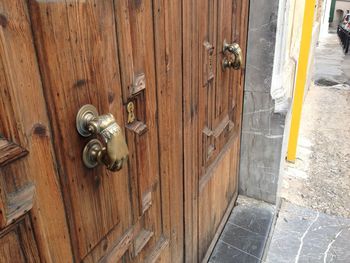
(305, 235)
(332, 66)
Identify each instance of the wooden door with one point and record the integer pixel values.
(57, 56)
(212, 118)
(163, 56)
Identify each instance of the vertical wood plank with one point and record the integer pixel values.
(168, 46)
(223, 85)
(242, 40)
(190, 71)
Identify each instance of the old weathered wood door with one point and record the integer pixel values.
(168, 201)
(212, 118)
(55, 57)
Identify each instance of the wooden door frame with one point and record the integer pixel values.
(191, 46)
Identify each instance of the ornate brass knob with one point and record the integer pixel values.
(114, 152)
(233, 56)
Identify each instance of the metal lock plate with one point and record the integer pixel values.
(130, 108)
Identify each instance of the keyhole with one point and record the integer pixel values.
(131, 114)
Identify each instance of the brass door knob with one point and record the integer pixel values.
(233, 56)
(114, 152)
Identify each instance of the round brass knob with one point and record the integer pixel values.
(233, 56)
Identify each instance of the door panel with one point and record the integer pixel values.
(213, 129)
(216, 109)
(11, 249)
(216, 195)
(17, 243)
(76, 45)
(79, 45)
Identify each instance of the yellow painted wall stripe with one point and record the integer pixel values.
(305, 46)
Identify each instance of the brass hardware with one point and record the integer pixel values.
(131, 114)
(208, 73)
(234, 50)
(115, 151)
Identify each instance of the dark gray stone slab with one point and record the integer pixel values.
(245, 234)
(304, 235)
(254, 219)
(227, 253)
(243, 239)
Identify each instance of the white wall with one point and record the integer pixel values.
(325, 17)
(289, 30)
(290, 23)
(342, 5)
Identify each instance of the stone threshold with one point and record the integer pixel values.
(246, 233)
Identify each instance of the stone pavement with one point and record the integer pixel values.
(305, 235)
(332, 66)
